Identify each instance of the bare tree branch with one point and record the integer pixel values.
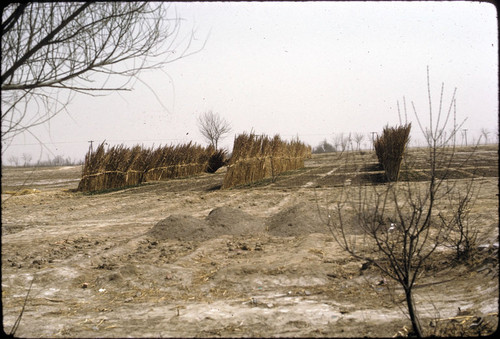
(54, 47)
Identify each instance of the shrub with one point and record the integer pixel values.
(216, 161)
(324, 147)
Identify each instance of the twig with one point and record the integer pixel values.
(19, 317)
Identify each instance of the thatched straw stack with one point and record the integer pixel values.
(258, 157)
(390, 148)
(120, 166)
(177, 161)
(110, 169)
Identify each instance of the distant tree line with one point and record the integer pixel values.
(353, 141)
(340, 143)
(58, 160)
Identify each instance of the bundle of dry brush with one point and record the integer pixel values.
(256, 157)
(390, 148)
(120, 166)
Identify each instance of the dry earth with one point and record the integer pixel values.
(182, 258)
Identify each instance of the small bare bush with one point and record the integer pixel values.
(463, 234)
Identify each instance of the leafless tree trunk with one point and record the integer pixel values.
(52, 50)
(213, 128)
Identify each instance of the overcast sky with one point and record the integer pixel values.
(306, 69)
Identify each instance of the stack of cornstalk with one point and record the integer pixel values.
(258, 157)
(390, 148)
(120, 166)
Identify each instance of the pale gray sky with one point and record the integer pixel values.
(306, 69)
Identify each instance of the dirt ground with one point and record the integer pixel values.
(183, 258)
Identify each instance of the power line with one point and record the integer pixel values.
(464, 131)
(87, 141)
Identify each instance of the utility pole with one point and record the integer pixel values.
(91, 142)
(373, 139)
(465, 133)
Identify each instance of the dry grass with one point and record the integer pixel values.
(258, 157)
(120, 166)
(390, 148)
(23, 191)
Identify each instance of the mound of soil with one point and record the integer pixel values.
(232, 221)
(220, 221)
(300, 219)
(180, 227)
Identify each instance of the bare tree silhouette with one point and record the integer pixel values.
(213, 127)
(52, 50)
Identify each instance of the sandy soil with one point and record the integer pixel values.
(183, 258)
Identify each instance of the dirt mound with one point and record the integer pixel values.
(220, 221)
(232, 221)
(299, 219)
(180, 227)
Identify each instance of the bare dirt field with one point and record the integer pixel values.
(183, 258)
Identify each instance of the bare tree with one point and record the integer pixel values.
(14, 160)
(52, 50)
(343, 142)
(213, 127)
(402, 224)
(358, 138)
(485, 133)
(27, 158)
(463, 235)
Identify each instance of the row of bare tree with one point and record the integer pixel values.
(58, 160)
(345, 141)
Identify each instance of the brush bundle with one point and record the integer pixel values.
(258, 157)
(119, 166)
(390, 148)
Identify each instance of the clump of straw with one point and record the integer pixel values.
(390, 148)
(256, 157)
(119, 166)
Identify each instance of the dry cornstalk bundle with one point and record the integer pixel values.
(217, 160)
(177, 161)
(258, 157)
(119, 166)
(390, 148)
